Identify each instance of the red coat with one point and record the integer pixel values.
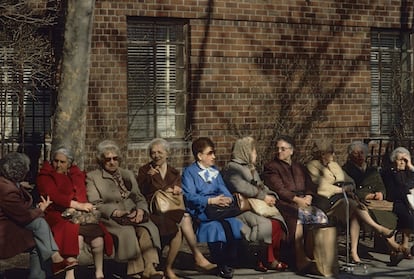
(16, 211)
(62, 189)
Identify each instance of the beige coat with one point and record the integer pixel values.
(104, 193)
(326, 177)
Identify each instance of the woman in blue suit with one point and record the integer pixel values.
(204, 187)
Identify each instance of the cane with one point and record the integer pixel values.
(348, 267)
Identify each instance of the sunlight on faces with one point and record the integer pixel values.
(111, 162)
(328, 157)
(158, 154)
(357, 156)
(60, 163)
(284, 151)
(253, 156)
(400, 162)
(207, 157)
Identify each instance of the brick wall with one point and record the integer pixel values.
(257, 67)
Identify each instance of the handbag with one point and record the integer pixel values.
(82, 217)
(125, 221)
(242, 202)
(162, 202)
(258, 206)
(261, 208)
(216, 212)
(321, 246)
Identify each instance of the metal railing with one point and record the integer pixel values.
(379, 149)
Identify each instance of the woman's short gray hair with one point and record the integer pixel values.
(14, 166)
(65, 151)
(359, 144)
(105, 147)
(159, 141)
(398, 150)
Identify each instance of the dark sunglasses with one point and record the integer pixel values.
(108, 159)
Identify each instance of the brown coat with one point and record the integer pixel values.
(16, 212)
(148, 184)
(288, 181)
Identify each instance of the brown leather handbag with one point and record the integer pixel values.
(163, 201)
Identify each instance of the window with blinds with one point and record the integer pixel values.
(24, 109)
(157, 79)
(391, 79)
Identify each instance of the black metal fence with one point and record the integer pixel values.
(379, 149)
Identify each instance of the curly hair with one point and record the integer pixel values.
(104, 147)
(14, 166)
(398, 150)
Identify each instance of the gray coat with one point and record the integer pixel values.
(239, 178)
(104, 193)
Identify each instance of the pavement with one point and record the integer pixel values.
(375, 266)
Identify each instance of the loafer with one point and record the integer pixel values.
(225, 272)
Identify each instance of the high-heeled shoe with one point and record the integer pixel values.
(407, 252)
(279, 266)
(209, 268)
(260, 267)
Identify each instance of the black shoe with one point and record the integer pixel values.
(396, 258)
(225, 272)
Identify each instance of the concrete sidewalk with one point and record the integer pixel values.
(375, 267)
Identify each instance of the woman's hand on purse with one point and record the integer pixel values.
(119, 213)
(136, 216)
(220, 200)
(85, 206)
(270, 200)
(177, 190)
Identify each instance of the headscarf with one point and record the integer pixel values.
(242, 150)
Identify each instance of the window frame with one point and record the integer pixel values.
(157, 100)
(391, 63)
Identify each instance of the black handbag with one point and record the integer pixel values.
(215, 212)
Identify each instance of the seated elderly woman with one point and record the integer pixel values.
(124, 211)
(291, 182)
(332, 182)
(369, 185)
(399, 180)
(159, 175)
(22, 226)
(205, 191)
(241, 176)
(64, 183)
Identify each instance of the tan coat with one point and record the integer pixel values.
(326, 177)
(104, 193)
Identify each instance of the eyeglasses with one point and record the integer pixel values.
(108, 159)
(211, 152)
(282, 148)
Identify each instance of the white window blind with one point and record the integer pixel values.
(24, 109)
(156, 79)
